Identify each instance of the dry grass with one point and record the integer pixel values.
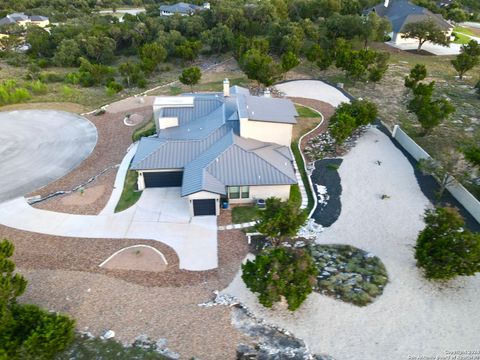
(62, 106)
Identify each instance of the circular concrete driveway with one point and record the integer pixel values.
(40, 146)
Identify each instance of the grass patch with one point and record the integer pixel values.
(348, 273)
(304, 111)
(464, 30)
(295, 195)
(461, 38)
(303, 173)
(130, 195)
(147, 129)
(244, 214)
(175, 90)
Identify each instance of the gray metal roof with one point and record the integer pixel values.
(402, 12)
(207, 146)
(38, 18)
(181, 7)
(6, 21)
(270, 109)
(239, 90)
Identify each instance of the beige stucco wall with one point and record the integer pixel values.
(265, 192)
(204, 195)
(41, 24)
(266, 131)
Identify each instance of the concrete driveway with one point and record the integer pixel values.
(40, 146)
(313, 89)
(152, 218)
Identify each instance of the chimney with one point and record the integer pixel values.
(387, 2)
(266, 93)
(226, 88)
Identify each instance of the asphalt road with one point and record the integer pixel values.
(40, 146)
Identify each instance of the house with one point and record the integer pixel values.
(183, 9)
(403, 12)
(219, 147)
(23, 20)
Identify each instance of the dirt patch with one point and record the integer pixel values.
(114, 138)
(138, 258)
(62, 106)
(130, 104)
(85, 197)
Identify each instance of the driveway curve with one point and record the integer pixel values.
(40, 146)
(313, 89)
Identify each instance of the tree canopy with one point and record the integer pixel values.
(445, 249)
(191, 76)
(424, 31)
(26, 331)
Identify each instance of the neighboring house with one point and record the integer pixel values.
(228, 146)
(403, 12)
(182, 9)
(23, 20)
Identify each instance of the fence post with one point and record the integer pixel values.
(394, 132)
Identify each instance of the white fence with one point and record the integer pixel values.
(463, 196)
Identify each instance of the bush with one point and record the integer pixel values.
(51, 77)
(38, 87)
(295, 195)
(11, 94)
(26, 331)
(281, 272)
(444, 248)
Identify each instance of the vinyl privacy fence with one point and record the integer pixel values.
(463, 196)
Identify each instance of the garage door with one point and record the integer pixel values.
(204, 207)
(163, 179)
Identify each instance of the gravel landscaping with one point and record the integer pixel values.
(64, 276)
(114, 138)
(328, 189)
(413, 316)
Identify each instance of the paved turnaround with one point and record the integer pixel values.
(40, 146)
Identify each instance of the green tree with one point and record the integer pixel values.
(190, 76)
(152, 55)
(220, 38)
(375, 29)
(281, 272)
(444, 248)
(472, 155)
(26, 331)
(467, 59)
(280, 220)
(424, 31)
(100, 49)
(132, 74)
(447, 171)
(289, 60)
(67, 53)
(417, 74)
(349, 116)
(260, 67)
(430, 112)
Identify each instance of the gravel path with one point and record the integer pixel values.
(114, 138)
(413, 317)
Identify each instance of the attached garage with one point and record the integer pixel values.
(204, 207)
(163, 179)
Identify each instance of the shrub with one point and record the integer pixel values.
(72, 78)
(51, 77)
(281, 272)
(38, 87)
(113, 88)
(11, 94)
(27, 331)
(444, 248)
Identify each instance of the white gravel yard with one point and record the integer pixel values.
(413, 317)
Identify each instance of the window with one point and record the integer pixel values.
(234, 192)
(239, 192)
